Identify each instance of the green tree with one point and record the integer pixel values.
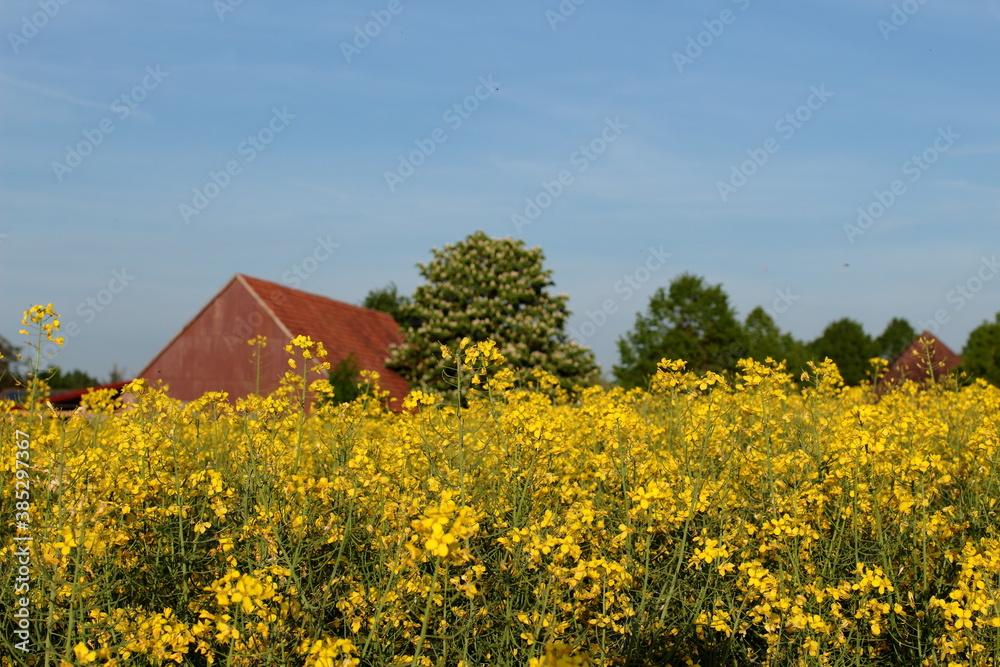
(690, 321)
(847, 344)
(388, 300)
(764, 339)
(344, 377)
(981, 354)
(60, 380)
(486, 288)
(897, 336)
(11, 366)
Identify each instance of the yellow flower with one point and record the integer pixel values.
(83, 654)
(46, 321)
(559, 655)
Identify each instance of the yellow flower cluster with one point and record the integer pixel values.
(749, 518)
(560, 655)
(250, 593)
(327, 652)
(443, 530)
(45, 320)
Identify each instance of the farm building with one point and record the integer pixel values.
(211, 352)
(925, 358)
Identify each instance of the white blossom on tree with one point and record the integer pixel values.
(488, 289)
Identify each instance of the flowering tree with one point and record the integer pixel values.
(488, 289)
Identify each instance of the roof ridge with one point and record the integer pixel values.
(934, 340)
(298, 291)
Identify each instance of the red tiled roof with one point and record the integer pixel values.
(912, 363)
(344, 329)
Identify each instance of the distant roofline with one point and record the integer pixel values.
(189, 324)
(363, 309)
(243, 279)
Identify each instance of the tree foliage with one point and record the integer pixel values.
(11, 366)
(764, 339)
(61, 380)
(981, 355)
(897, 336)
(388, 300)
(691, 321)
(485, 288)
(344, 378)
(846, 343)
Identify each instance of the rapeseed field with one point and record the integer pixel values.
(748, 519)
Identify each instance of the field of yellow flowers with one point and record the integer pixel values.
(750, 519)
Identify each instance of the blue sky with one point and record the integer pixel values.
(149, 151)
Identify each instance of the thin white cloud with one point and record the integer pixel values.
(46, 91)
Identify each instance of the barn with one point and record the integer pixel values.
(211, 352)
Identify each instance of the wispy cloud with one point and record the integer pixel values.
(46, 91)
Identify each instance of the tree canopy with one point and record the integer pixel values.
(764, 339)
(388, 300)
(11, 366)
(488, 289)
(981, 355)
(691, 321)
(897, 336)
(846, 343)
(344, 378)
(58, 379)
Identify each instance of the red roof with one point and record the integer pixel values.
(925, 350)
(343, 328)
(210, 353)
